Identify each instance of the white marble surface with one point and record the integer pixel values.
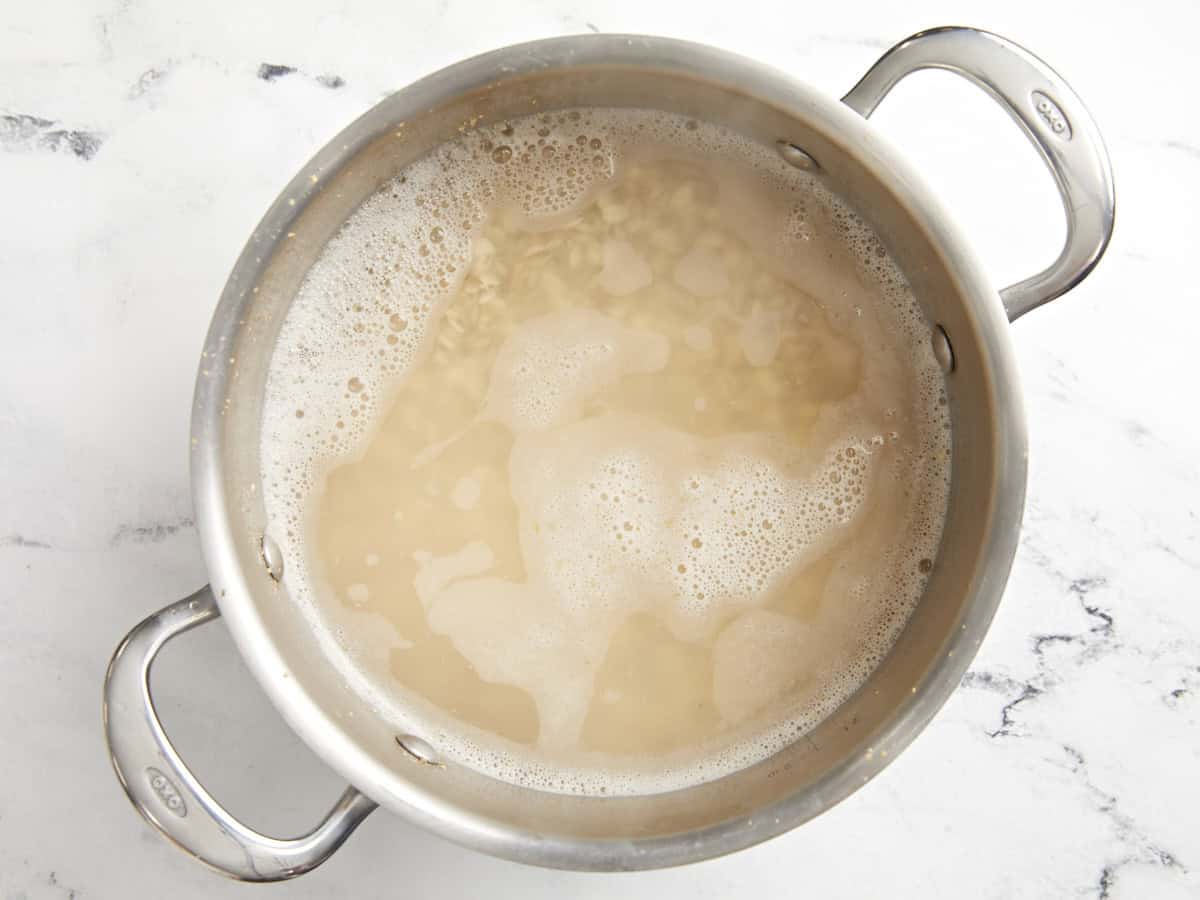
(139, 144)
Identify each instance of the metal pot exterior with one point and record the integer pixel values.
(858, 739)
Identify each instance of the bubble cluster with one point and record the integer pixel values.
(546, 371)
(619, 513)
(687, 528)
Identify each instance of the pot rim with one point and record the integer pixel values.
(323, 733)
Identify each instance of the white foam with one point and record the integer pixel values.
(371, 307)
(754, 662)
(466, 493)
(618, 510)
(619, 514)
(545, 372)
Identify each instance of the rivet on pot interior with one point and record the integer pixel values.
(272, 557)
(418, 749)
(942, 351)
(794, 156)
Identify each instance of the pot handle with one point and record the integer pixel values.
(167, 794)
(1052, 117)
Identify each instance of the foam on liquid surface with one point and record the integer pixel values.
(606, 451)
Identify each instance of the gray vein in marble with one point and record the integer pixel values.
(987, 681)
(1138, 433)
(270, 71)
(1097, 639)
(129, 533)
(19, 540)
(1106, 882)
(273, 71)
(1145, 850)
(1041, 640)
(20, 131)
(1028, 692)
(977, 679)
(104, 24)
(1164, 547)
(150, 533)
(70, 892)
(1183, 147)
(1081, 588)
(149, 78)
(1188, 686)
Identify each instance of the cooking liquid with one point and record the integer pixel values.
(606, 451)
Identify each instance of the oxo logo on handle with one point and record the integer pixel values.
(167, 792)
(1050, 113)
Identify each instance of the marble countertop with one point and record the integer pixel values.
(139, 144)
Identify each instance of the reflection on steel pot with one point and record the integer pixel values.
(970, 335)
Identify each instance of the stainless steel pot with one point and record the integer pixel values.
(403, 772)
